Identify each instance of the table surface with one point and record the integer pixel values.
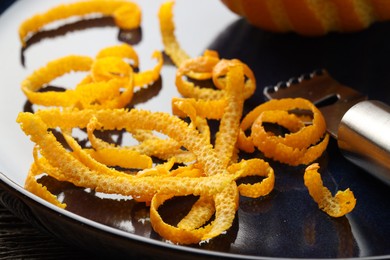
(20, 240)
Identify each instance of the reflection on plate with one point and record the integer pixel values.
(286, 223)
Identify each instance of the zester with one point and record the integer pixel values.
(361, 126)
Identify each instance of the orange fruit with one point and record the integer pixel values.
(311, 17)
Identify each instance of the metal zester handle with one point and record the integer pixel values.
(364, 137)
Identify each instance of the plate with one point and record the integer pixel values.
(285, 224)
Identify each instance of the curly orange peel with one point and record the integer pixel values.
(167, 28)
(302, 145)
(127, 15)
(336, 206)
(109, 84)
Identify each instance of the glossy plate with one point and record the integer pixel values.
(285, 224)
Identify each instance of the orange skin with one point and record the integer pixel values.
(304, 20)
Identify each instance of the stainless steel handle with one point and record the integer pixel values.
(364, 137)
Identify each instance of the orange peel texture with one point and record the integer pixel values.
(126, 14)
(311, 18)
(336, 206)
(167, 30)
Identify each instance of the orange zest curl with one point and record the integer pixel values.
(127, 15)
(167, 28)
(110, 82)
(336, 206)
(304, 143)
(31, 184)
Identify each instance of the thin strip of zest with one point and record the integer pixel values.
(206, 67)
(123, 51)
(98, 159)
(229, 126)
(38, 167)
(202, 107)
(127, 52)
(167, 28)
(31, 184)
(336, 206)
(200, 213)
(254, 167)
(145, 78)
(150, 144)
(127, 15)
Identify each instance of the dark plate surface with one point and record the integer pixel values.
(285, 224)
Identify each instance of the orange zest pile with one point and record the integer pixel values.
(191, 161)
(210, 177)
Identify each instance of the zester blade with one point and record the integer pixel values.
(330, 96)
